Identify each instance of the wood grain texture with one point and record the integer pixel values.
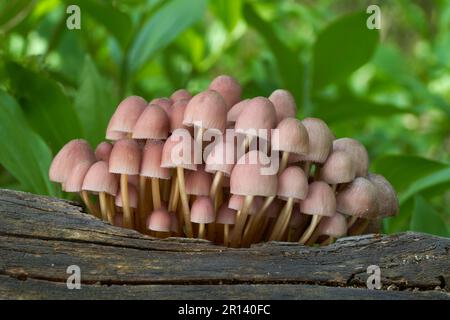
(41, 236)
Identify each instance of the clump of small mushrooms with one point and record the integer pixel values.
(233, 171)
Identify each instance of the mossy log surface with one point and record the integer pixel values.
(42, 236)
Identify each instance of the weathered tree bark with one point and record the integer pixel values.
(41, 236)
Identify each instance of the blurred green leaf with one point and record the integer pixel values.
(290, 68)
(162, 28)
(395, 66)
(426, 219)
(400, 222)
(118, 23)
(415, 16)
(436, 178)
(94, 102)
(346, 108)
(24, 154)
(11, 12)
(342, 47)
(403, 170)
(48, 110)
(228, 11)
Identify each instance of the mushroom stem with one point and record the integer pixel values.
(351, 222)
(313, 238)
(215, 186)
(226, 231)
(240, 221)
(142, 201)
(255, 221)
(214, 193)
(103, 206)
(284, 161)
(89, 204)
(327, 241)
(184, 202)
(111, 209)
(127, 212)
(307, 168)
(307, 234)
(359, 229)
(201, 230)
(165, 190)
(282, 221)
(156, 194)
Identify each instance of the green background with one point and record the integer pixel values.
(389, 88)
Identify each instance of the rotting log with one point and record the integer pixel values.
(42, 236)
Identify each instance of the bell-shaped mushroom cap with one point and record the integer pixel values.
(177, 115)
(126, 115)
(152, 124)
(387, 198)
(115, 135)
(258, 118)
(180, 94)
(118, 219)
(320, 140)
(202, 210)
(249, 176)
(320, 200)
(292, 183)
(236, 202)
(74, 181)
(334, 226)
(221, 158)
(99, 179)
(178, 151)
(164, 103)
(73, 153)
(132, 197)
(359, 198)
(103, 151)
(207, 110)
(198, 182)
(226, 215)
(174, 223)
(291, 136)
(274, 209)
(284, 104)
(338, 168)
(297, 218)
(229, 89)
(125, 157)
(151, 161)
(236, 110)
(159, 220)
(356, 151)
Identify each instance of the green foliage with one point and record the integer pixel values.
(94, 102)
(390, 89)
(24, 154)
(162, 28)
(341, 48)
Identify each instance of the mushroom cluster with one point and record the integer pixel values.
(233, 171)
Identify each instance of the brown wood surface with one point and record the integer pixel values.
(41, 236)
